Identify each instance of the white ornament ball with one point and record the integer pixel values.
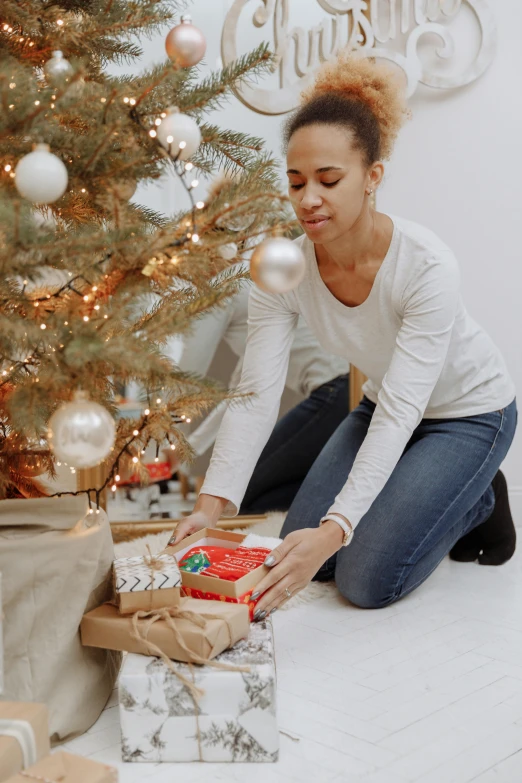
(185, 44)
(40, 176)
(277, 265)
(176, 128)
(82, 432)
(228, 251)
(58, 69)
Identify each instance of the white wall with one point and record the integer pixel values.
(456, 169)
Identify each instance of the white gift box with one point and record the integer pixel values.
(140, 584)
(237, 712)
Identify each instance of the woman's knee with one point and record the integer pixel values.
(365, 596)
(366, 582)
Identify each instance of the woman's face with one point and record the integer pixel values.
(327, 181)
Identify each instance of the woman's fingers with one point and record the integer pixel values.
(276, 596)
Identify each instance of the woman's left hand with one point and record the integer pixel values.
(296, 561)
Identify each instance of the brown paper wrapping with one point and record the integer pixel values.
(148, 600)
(225, 624)
(66, 768)
(11, 759)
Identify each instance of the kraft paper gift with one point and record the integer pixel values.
(56, 564)
(66, 768)
(24, 736)
(147, 582)
(233, 720)
(194, 631)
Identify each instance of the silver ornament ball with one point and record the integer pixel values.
(185, 44)
(176, 128)
(82, 432)
(40, 176)
(277, 265)
(58, 69)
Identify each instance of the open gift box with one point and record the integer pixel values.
(212, 588)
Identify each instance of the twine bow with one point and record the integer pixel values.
(154, 564)
(141, 631)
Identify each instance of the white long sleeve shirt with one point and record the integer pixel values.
(423, 354)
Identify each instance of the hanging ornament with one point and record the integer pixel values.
(228, 251)
(124, 189)
(238, 223)
(58, 70)
(82, 432)
(185, 44)
(176, 128)
(277, 265)
(40, 176)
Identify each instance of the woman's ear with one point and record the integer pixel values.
(376, 174)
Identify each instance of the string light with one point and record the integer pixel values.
(152, 134)
(103, 100)
(194, 183)
(113, 488)
(59, 22)
(195, 237)
(200, 204)
(125, 100)
(158, 400)
(172, 447)
(135, 459)
(7, 167)
(136, 432)
(189, 166)
(43, 326)
(146, 411)
(116, 478)
(85, 317)
(132, 101)
(157, 122)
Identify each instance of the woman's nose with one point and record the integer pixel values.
(310, 198)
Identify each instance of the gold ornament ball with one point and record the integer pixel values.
(124, 189)
(82, 432)
(185, 44)
(277, 265)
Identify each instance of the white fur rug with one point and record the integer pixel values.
(271, 527)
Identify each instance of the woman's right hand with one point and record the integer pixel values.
(196, 521)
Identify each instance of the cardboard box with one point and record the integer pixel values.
(212, 588)
(31, 722)
(66, 768)
(224, 624)
(140, 585)
(236, 715)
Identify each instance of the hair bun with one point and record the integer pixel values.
(367, 80)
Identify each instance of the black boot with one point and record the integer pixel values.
(494, 541)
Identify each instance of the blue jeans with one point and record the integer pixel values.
(439, 490)
(296, 441)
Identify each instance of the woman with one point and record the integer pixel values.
(413, 472)
(318, 377)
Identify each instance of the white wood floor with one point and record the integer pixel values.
(428, 690)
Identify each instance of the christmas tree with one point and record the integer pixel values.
(80, 262)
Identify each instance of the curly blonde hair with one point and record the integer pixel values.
(359, 93)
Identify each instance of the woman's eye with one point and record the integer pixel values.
(326, 184)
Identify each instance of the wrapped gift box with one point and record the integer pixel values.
(146, 583)
(198, 585)
(66, 768)
(222, 625)
(237, 711)
(24, 736)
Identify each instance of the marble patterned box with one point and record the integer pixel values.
(237, 711)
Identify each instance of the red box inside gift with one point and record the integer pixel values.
(212, 586)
